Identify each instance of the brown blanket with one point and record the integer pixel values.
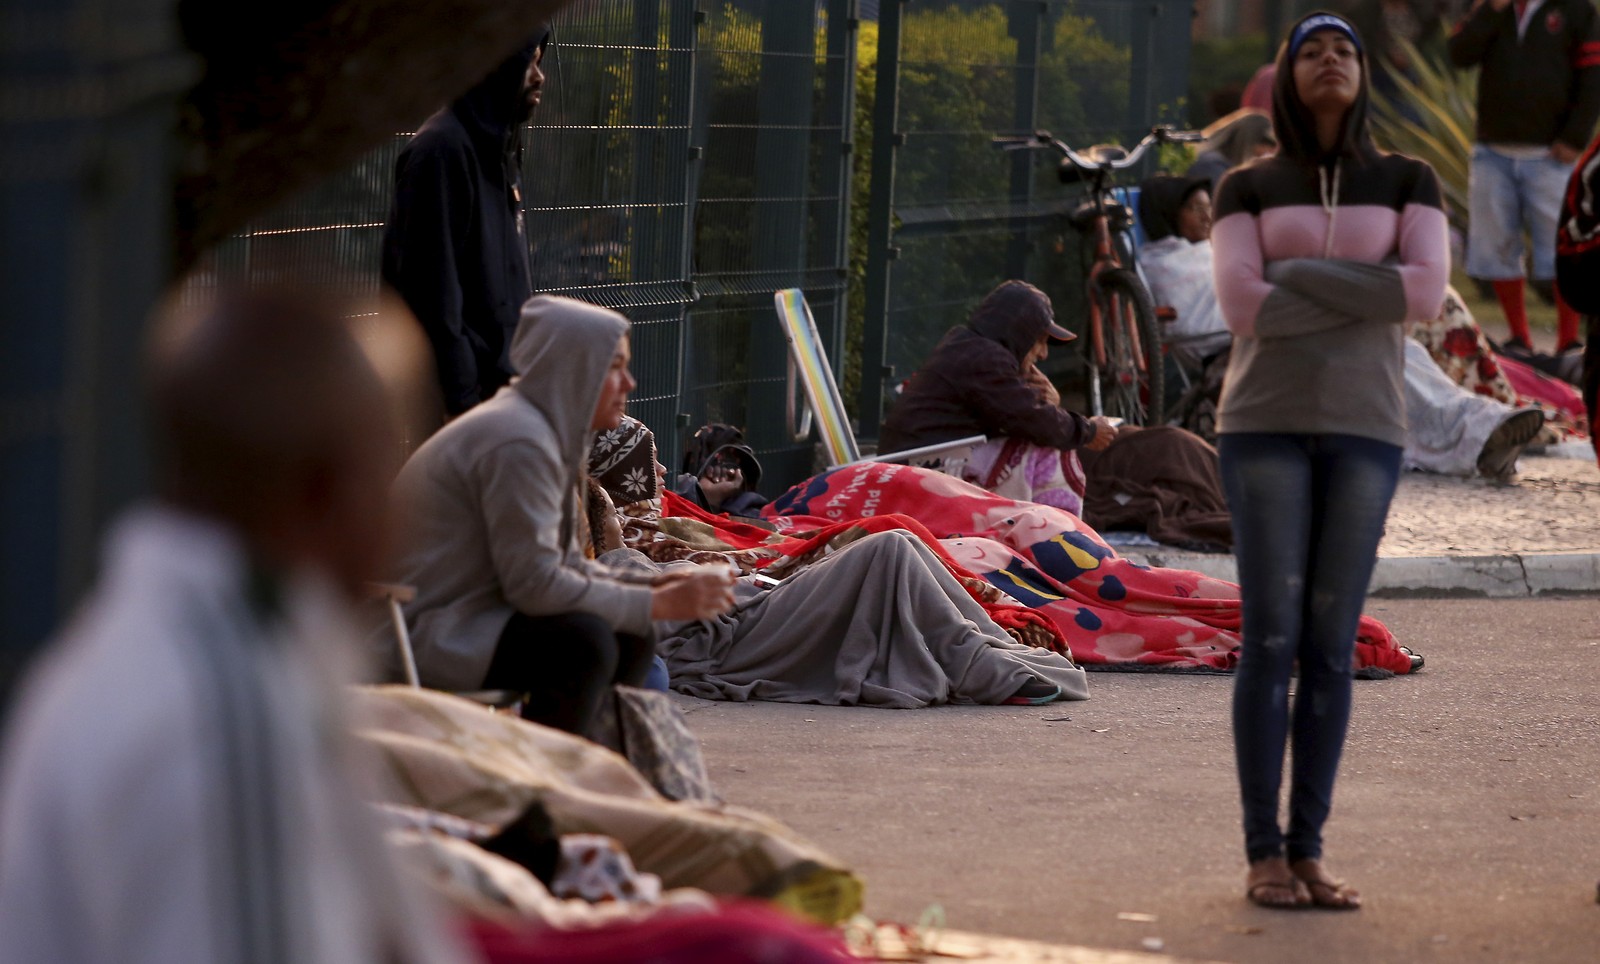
(1162, 481)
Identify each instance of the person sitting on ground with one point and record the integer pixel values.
(983, 379)
(178, 783)
(1176, 215)
(506, 595)
(1241, 136)
(881, 622)
(720, 473)
(1450, 431)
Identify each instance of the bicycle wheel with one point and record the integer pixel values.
(1134, 383)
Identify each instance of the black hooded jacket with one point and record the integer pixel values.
(1160, 197)
(454, 246)
(973, 383)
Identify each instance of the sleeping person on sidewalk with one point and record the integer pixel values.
(881, 621)
(1450, 431)
(509, 595)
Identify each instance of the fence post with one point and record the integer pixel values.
(686, 94)
(880, 214)
(783, 154)
(1024, 25)
(838, 110)
(91, 90)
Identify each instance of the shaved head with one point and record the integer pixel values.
(270, 418)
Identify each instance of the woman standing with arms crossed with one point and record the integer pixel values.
(1323, 252)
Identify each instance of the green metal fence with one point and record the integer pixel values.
(692, 156)
(951, 217)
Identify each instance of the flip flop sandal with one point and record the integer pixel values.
(1253, 894)
(1332, 895)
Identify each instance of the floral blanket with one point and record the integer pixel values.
(1112, 613)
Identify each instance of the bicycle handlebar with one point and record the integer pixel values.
(1157, 135)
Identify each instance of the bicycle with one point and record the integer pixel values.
(1126, 375)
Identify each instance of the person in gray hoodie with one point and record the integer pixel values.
(508, 595)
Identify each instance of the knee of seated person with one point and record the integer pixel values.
(589, 638)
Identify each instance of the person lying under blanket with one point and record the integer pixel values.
(881, 621)
(1113, 613)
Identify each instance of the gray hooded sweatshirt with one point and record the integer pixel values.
(491, 509)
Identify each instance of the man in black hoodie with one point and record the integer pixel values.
(455, 247)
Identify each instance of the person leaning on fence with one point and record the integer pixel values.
(1242, 136)
(508, 595)
(1323, 252)
(178, 782)
(454, 246)
(983, 379)
(1538, 100)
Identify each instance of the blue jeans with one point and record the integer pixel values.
(1508, 196)
(1308, 511)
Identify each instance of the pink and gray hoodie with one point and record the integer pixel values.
(1317, 269)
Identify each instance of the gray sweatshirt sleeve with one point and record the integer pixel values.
(1366, 292)
(522, 502)
(1288, 314)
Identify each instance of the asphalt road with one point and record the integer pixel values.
(1468, 810)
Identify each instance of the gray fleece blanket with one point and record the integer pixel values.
(882, 623)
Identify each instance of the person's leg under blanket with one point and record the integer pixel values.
(882, 623)
(1452, 431)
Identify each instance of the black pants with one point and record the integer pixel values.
(567, 665)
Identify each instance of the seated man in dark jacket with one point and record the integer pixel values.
(983, 379)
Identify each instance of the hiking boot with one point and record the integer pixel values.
(1498, 460)
(1035, 692)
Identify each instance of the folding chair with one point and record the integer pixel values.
(394, 595)
(808, 363)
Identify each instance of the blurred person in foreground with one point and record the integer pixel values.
(509, 595)
(455, 246)
(176, 781)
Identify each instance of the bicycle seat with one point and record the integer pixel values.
(1082, 216)
(1103, 154)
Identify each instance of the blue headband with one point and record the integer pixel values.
(1322, 21)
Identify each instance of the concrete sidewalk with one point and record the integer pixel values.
(1467, 810)
(1473, 537)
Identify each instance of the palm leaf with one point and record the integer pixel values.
(1432, 117)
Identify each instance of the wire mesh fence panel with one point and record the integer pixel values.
(772, 209)
(686, 160)
(961, 216)
(689, 157)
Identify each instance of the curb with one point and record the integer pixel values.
(1501, 576)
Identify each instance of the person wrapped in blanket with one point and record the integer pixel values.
(720, 472)
(983, 379)
(878, 621)
(1449, 430)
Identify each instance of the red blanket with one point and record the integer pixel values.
(786, 552)
(1112, 613)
